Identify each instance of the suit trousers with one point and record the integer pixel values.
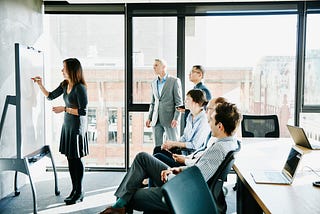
(143, 199)
(159, 131)
(167, 160)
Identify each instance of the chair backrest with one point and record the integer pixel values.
(188, 193)
(260, 126)
(216, 181)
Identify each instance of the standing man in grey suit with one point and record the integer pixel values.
(166, 95)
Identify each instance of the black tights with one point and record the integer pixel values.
(76, 170)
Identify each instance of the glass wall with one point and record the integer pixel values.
(140, 137)
(250, 60)
(153, 38)
(310, 121)
(312, 61)
(310, 124)
(248, 50)
(101, 53)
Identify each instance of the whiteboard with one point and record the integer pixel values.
(30, 111)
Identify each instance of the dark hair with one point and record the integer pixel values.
(220, 100)
(74, 70)
(229, 115)
(198, 96)
(200, 68)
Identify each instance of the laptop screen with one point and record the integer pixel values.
(292, 162)
(298, 136)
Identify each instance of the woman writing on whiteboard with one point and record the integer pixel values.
(73, 139)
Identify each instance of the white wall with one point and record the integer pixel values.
(20, 22)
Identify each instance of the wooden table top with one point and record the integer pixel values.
(270, 154)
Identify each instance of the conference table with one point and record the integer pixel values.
(270, 154)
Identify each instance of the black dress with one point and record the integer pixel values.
(73, 139)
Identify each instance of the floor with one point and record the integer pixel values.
(99, 188)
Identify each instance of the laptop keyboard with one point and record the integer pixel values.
(275, 176)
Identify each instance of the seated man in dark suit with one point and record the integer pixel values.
(223, 122)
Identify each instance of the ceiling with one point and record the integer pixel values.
(158, 1)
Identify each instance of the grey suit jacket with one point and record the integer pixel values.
(164, 106)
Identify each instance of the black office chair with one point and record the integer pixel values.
(216, 181)
(188, 193)
(260, 126)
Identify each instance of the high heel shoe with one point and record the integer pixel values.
(75, 198)
(70, 196)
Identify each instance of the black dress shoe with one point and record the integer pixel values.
(77, 197)
(111, 210)
(70, 196)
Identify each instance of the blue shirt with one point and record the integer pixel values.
(196, 131)
(160, 84)
(204, 88)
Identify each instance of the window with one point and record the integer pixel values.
(153, 37)
(309, 118)
(250, 60)
(310, 124)
(141, 137)
(92, 125)
(101, 53)
(112, 126)
(312, 61)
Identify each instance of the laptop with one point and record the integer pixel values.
(300, 138)
(285, 176)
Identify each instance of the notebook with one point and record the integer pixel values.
(285, 176)
(300, 138)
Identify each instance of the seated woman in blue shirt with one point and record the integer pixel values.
(197, 129)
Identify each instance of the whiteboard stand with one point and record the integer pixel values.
(20, 164)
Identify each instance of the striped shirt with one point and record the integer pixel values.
(210, 161)
(191, 159)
